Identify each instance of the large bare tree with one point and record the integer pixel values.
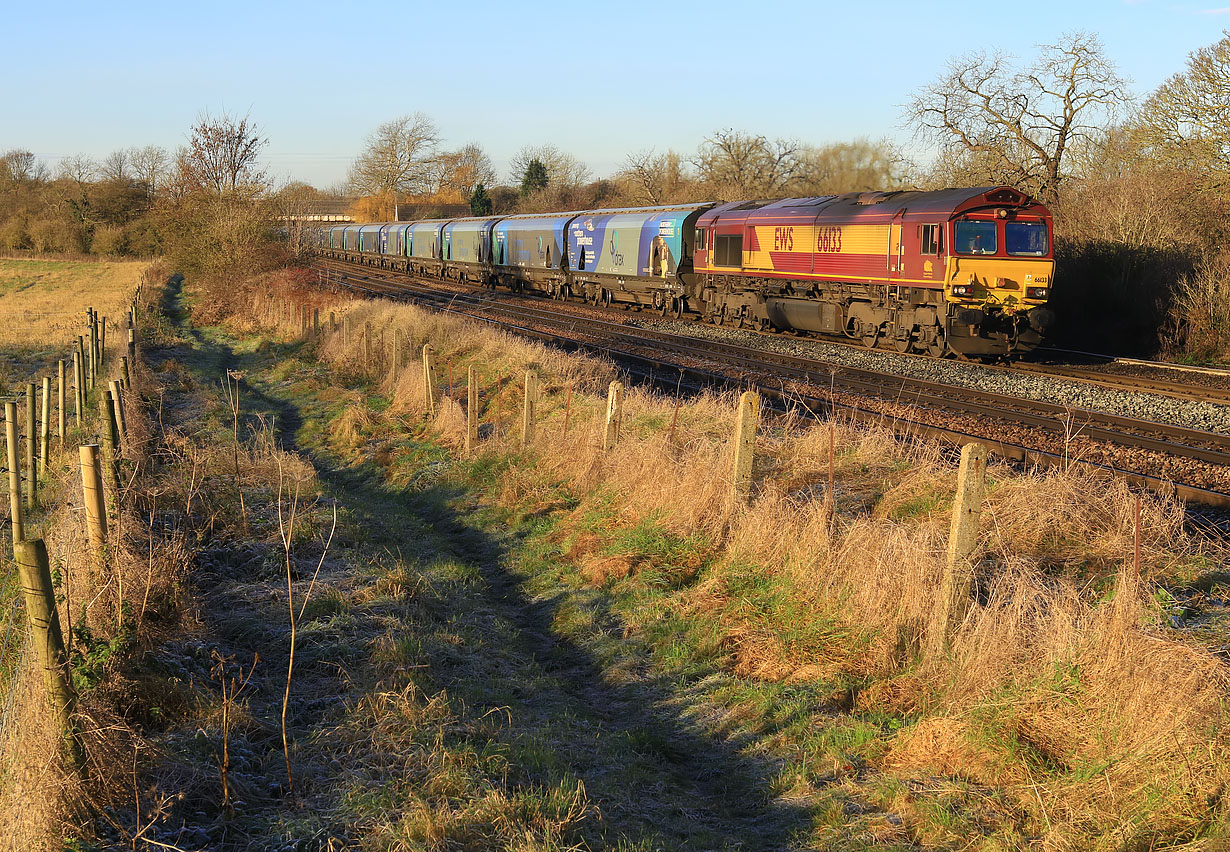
(399, 157)
(1185, 124)
(564, 171)
(746, 165)
(1017, 126)
(150, 163)
(222, 156)
(651, 178)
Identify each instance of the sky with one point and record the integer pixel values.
(599, 80)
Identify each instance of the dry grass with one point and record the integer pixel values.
(1059, 688)
(45, 300)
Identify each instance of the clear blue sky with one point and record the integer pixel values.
(597, 80)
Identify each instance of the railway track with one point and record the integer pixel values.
(1029, 430)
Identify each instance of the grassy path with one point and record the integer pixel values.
(439, 699)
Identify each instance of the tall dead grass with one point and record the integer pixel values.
(1057, 687)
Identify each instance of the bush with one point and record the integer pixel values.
(1200, 315)
(109, 239)
(14, 234)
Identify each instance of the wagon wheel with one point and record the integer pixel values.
(666, 304)
(606, 298)
(679, 307)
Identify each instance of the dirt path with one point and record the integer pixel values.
(435, 701)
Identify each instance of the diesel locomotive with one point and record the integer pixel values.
(966, 272)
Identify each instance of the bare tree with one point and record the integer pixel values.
(77, 168)
(1018, 126)
(115, 166)
(1185, 124)
(150, 165)
(746, 165)
(564, 171)
(650, 178)
(399, 158)
(19, 166)
(221, 156)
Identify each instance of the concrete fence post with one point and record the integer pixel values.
(60, 399)
(746, 421)
(77, 388)
(953, 601)
(11, 437)
(121, 421)
(614, 415)
(429, 381)
(35, 571)
(529, 404)
(44, 428)
(471, 412)
(31, 444)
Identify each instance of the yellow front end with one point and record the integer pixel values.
(1002, 283)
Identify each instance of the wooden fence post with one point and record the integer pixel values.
(35, 571)
(102, 342)
(953, 601)
(95, 505)
(31, 444)
(132, 346)
(394, 359)
(614, 415)
(315, 322)
(44, 433)
(429, 381)
(528, 406)
(746, 422)
(367, 344)
(471, 412)
(108, 429)
(11, 436)
(60, 399)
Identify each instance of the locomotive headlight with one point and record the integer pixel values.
(963, 289)
(1036, 292)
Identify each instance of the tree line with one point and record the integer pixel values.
(1137, 185)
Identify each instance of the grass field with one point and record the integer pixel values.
(43, 304)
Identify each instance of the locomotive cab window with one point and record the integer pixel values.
(931, 239)
(701, 245)
(1026, 238)
(975, 237)
(728, 250)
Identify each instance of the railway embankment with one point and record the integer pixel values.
(408, 632)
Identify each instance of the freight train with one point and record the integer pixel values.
(965, 272)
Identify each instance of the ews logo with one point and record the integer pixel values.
(783, 239)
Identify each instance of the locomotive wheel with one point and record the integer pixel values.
(937, 348)
(903, 345)
(871, 337)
